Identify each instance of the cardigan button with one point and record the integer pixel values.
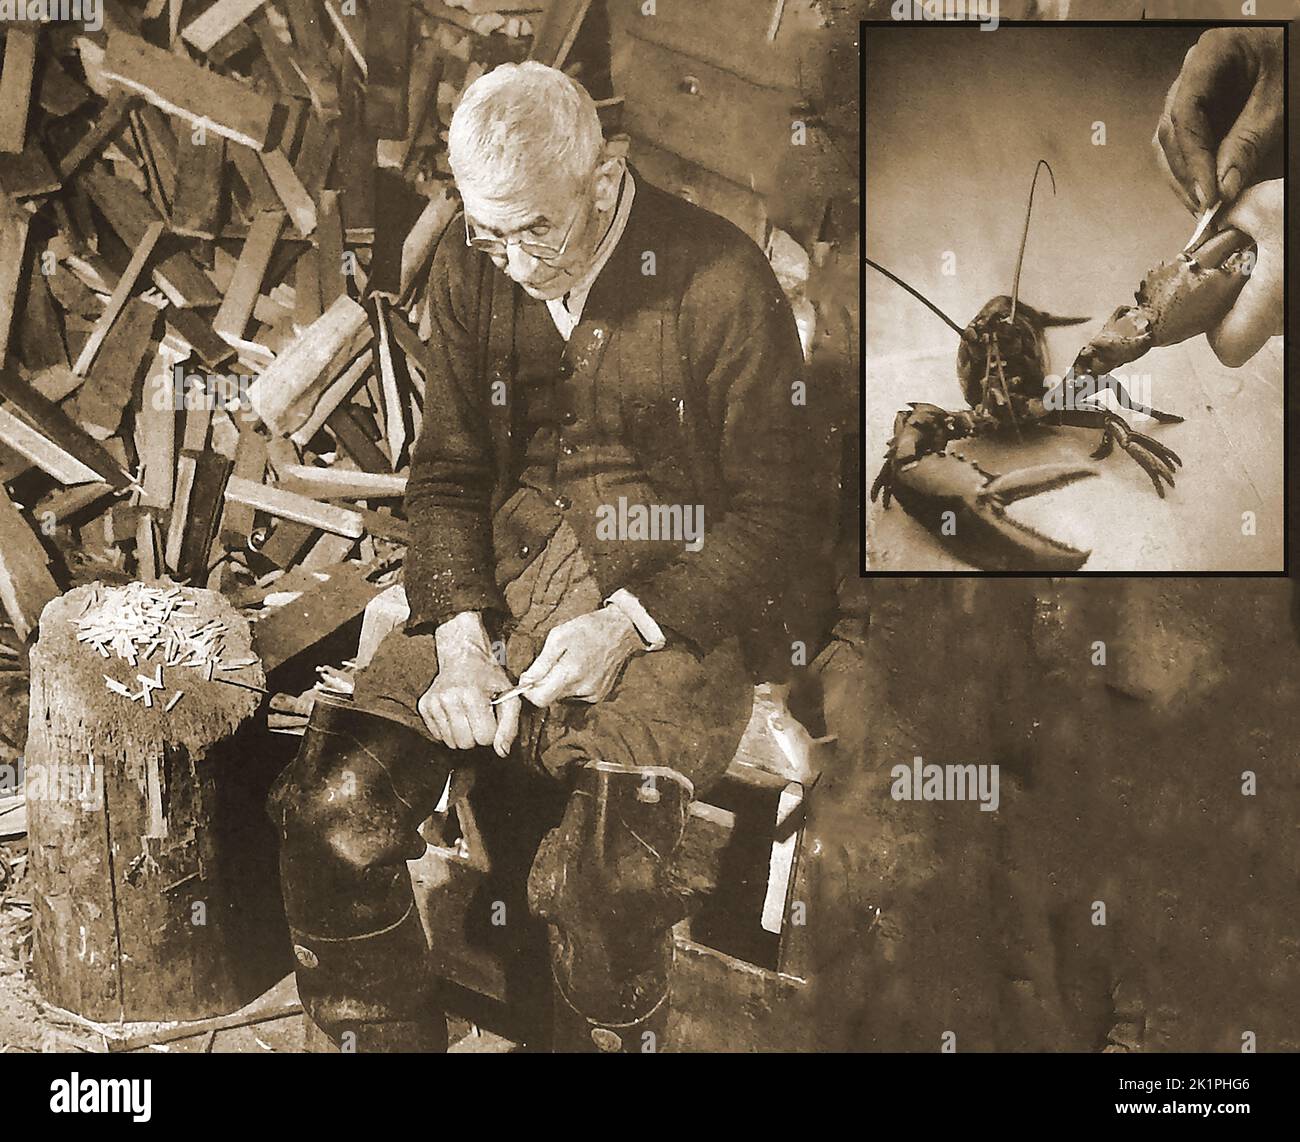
(565, 369)
(524, 550)
(569, 417)
(563, 503)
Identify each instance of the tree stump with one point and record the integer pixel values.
(136, 913)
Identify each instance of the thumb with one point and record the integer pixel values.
(1249, 138)
(552, 649)
(507, 726)
(1256, 212)
(1255, 316)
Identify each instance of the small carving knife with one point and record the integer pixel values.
(1203, 224)
(515, 693)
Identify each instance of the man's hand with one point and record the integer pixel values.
(1222, 116)
(1257, 313)
(582, 658)
(457, 708)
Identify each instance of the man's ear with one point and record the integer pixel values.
(608, 176)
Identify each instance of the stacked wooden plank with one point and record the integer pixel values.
(214, 220)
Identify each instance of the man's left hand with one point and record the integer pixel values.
(1257, 313)
(582, 658)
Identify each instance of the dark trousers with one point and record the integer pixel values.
(671, 708)
(674, 712)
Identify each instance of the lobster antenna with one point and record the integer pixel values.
(918, 295)
(1024, 234)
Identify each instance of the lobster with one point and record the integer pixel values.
(1002, 369)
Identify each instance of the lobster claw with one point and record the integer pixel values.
(1017, 546)
(1176, 300)
(1191, 294)
(966, 507)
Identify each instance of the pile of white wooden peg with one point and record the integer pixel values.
(137, 621)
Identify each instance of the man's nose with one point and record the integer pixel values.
(519, 265)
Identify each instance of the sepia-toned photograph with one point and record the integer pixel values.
(1074, 352)
(422, 430)
(440, 441)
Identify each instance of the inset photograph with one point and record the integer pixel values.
(1073, 301)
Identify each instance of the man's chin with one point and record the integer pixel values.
(544, 291)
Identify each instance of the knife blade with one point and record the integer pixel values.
(515, 693)
(1203, 224)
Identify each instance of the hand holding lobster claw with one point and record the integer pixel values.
(1176, 300)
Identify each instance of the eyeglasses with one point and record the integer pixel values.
(497, 247)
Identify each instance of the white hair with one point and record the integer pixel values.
(519, 124)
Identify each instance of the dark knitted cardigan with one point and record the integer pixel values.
(689, 322)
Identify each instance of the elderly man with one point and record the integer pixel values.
(610, 496)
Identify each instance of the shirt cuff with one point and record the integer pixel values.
(646, 627)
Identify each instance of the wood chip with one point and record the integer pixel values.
(179, 87)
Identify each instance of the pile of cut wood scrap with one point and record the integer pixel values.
(214, 218)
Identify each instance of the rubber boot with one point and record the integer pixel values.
(601, 879)
(348, 809)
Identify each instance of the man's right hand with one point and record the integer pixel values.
(457, 708)
(1223, 115)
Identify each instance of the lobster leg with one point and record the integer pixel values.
(1111, 385)
(1175, 301)
(1076, 393)
(1157, 460)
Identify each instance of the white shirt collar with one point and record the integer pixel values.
(566, 311)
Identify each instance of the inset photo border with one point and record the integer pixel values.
(1052, 378)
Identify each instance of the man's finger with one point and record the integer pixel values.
(552, 651)
(1163, 163)
(482, 723)
(1190, 142)
(462, 733)
(1257, 313)
(1256, 211)
(1168, 154)
(435, 718)
(1255, 132)
(558, 682)
(507, 725)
